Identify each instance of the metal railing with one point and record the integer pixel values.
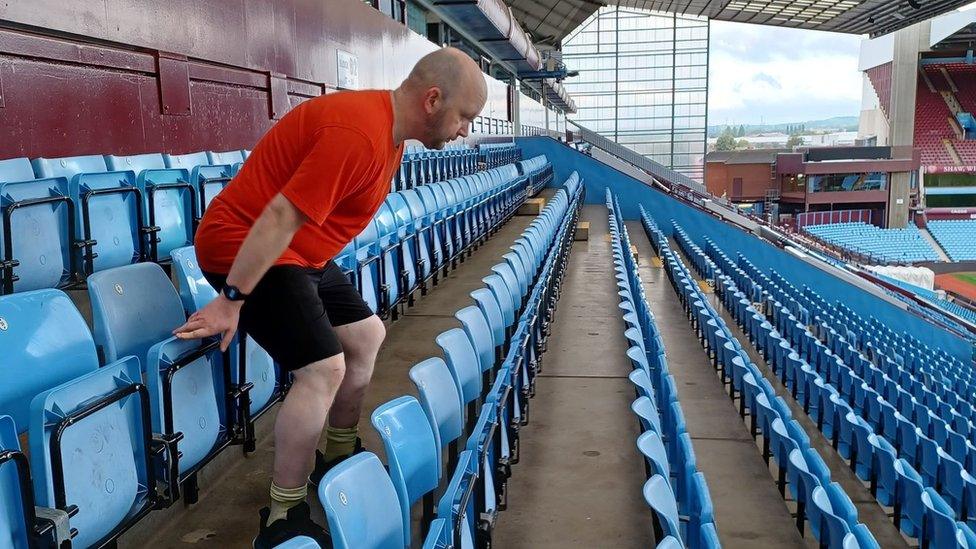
(656, 169)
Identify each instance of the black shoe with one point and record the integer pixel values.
(298, 523)
(322, 467)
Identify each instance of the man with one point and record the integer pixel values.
(312, 183)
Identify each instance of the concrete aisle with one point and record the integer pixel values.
(233, 489)
(579, 480)
(749, 511)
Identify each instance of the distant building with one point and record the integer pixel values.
(787, 182)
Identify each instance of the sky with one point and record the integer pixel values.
(775, 75)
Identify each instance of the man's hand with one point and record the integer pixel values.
(220, 316)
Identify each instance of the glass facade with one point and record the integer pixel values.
(643, 82)
(875, 181)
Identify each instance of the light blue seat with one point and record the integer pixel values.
(423, 231)
(480, 333)
(412, 454)
(409, 276)
(457, 505)
(367, 245)
(389, 268)
(258, 367)
(492, 312)
(208, 179)
(361, 505)
(701, 514)
(441, 401)
(108, 210)
(45, 335)
(135, 309)
(860, 538)
(169, 201)
(439, 536)
(832, 514)
(40, 249)
(94, 429)
(651, 446)
(16, 519)
(506, 301)
(660, 498)
(463, 362)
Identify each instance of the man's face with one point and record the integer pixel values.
(449, 118)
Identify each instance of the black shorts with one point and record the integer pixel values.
(292, 311)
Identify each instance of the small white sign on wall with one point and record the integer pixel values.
(348, 68)
(899, 201)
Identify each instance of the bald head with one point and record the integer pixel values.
(440, 98)
(450, 70)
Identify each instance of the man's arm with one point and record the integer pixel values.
(268, 238)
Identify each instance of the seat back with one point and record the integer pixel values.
(476, 326)
(133, 308)
(45, 343)
(411, 452)
(361, 505)
(463, 362)
(440, 399)
(505, 300)
(660, 498)
(13, 526)
(111, 217)
(651, 445)
(107, 443)
(40, 238)
(492, 312)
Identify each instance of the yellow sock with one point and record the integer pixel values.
(283, 499)
(340, 442)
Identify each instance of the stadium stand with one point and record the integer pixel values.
(673, 485)
(832, 517)
(882, 245)
(874, 405)
(955, 237)
(165, 431)
(416, 433)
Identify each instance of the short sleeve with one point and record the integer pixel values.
(339, 162)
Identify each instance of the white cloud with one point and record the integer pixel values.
(772, 74)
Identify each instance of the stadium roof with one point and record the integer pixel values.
(549, 21)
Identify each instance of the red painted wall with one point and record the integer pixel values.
(133, 76)
(755, 180)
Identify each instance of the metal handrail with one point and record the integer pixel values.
(640, 161)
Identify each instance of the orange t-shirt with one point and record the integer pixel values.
(333, 157)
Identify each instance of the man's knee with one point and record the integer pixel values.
(323, 376)
(362, 339)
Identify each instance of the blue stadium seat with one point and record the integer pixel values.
(441, 401)
(465, 367)
(361, 505)
(95, 427)
(208, 180)
(258, 367)
(17, 516)
(832, 514)
(480, 334)
(658, 495)
(368, 256)
(187, 379)
(109, 210)
(169, 201)
(40, 213)
(412, 455)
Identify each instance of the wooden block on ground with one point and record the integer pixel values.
(532, 206)
(705, 286)
(656, 262)
(582, 231)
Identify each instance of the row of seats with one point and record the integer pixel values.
(144, 410)
(421, 165)
(476, 394)
(933, 299)
(955, 237)
(890, 436)
(69, 217)
(821, 502)
(498, 154)
(884, 245)
(673, 488)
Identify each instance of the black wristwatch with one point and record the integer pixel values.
(233, 293)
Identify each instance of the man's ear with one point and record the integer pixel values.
(432, 99)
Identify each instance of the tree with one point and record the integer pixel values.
(742, 131)
(742, 144)
(794, 141)
(726, 141)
